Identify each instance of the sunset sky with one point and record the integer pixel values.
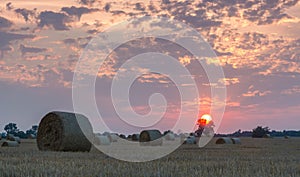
(257, 44)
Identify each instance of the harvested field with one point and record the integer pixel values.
(254, 157)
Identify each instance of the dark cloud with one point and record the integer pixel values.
(6, 39)
(4, 23)
(152, 8)
(117, 12)
(80, 42)
(92, 31)
(24, 28)
(140, 6)
(266, 12)
(107, 7)
(9, 6)
(86, 2)
(53, 19)
(209, 14)
(70, 41)
(25, 13)
(232, 11)
(78, 11)
(223, 53)
(276, 83)
(25, 49)
(166, 1)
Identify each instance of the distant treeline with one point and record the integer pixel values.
(273, 133)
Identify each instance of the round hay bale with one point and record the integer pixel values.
(11, 137)
(170, 136)
(10, 144)
(236, 140)
(129, 137)
(122, 136)
(106, 134)
(151, 137)
(60, 131)
(183, 137)
(135, 137)
(102, 140)
(224, 140)
(190, 140)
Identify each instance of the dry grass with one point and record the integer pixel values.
(255, 157)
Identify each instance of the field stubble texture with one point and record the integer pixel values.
(254, 157)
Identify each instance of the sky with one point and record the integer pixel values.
(257, 44)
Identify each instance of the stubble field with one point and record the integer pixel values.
(254, 157)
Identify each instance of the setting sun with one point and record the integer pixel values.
(204, 120)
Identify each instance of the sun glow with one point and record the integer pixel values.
(204, 120)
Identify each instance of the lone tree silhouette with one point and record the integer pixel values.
(11, 128)
(260, 132)
(33, 130)
(207, 130)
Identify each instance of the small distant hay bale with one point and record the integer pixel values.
(190, 140)
(151, 137)
(236, 140)
(62, 131)
(183, 137)
(113, 137)
(102, 140)
(170, 136)
(10, 144)
(224, 140)
(129, 137)
(122, 136)
(11, 137)
(135, 137)
(106, 134)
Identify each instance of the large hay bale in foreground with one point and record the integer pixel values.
(10, 144)
(150, 137)
(224, 140)
(60, 131)
(236, 141)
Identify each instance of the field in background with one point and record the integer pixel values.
(254, 157)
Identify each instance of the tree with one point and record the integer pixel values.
(237, 133)
(32, 131)
(206, 129)
(260, 132)
(21, 134)
(11, 128)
